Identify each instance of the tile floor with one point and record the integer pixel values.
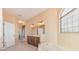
(21, 46)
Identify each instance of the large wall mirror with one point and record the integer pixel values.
(38, 29)
(41, 28)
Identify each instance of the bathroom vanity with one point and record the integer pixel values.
(33, 40)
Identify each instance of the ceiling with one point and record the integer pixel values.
(26, 13)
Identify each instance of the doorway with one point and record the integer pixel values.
(22, 33)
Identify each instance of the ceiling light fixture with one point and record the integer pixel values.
(32, 25)
(41, 23)
(20, 21)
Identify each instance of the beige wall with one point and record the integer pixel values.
(0, 12)
(69, 41)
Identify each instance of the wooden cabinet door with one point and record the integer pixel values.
(33, 40)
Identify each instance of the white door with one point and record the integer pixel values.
(1, 33)
(9, 34)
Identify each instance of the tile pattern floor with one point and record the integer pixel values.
(21, 46)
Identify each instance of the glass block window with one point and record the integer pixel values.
(70, 22)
